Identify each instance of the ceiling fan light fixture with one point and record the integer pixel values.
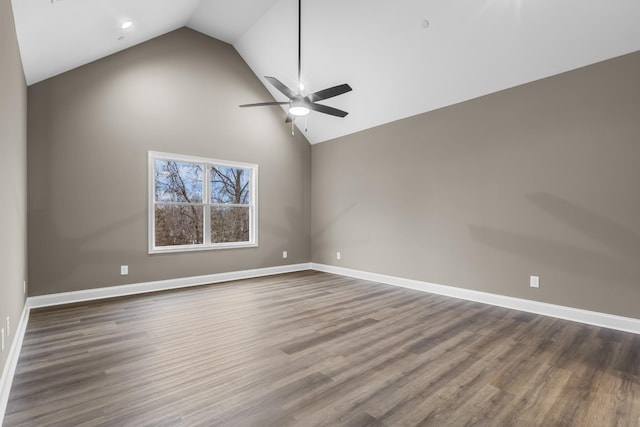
(298, 110)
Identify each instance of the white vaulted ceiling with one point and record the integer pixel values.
(402, 57)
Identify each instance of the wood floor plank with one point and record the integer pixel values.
(316, 349)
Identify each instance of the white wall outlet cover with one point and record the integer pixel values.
(534, 281)
(124, 270)
(284, 254)
(338, 255)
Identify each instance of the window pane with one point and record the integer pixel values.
(178, 181)
(230, 185)
(229, 224)
(178, 225)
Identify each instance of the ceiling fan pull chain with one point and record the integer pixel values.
(292, 129)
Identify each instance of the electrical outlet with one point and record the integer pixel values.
(338, 255)
(124, 270)
(534, 281)
(8, 325)
(24, 287)
(284, 254)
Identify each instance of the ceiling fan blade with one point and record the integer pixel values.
(327, 110)
(263, 104)
(328, 93)
(281, 87)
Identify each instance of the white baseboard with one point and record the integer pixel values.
(626, 324)
(12, 361)
(159, 285)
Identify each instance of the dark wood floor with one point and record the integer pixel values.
(314, 349)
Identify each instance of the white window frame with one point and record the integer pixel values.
(206, 211)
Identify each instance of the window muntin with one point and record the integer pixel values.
(198, 204)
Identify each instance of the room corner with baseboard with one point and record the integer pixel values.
(13, 193)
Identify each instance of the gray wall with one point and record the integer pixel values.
(542, 179)
(536, 180)
(89, 133)
(13, 176)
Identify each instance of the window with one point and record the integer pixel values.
(197, 203)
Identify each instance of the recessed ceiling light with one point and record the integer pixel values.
(126, 25)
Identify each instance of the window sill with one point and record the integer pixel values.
(198, 248)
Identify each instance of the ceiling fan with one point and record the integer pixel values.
(299, 104)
